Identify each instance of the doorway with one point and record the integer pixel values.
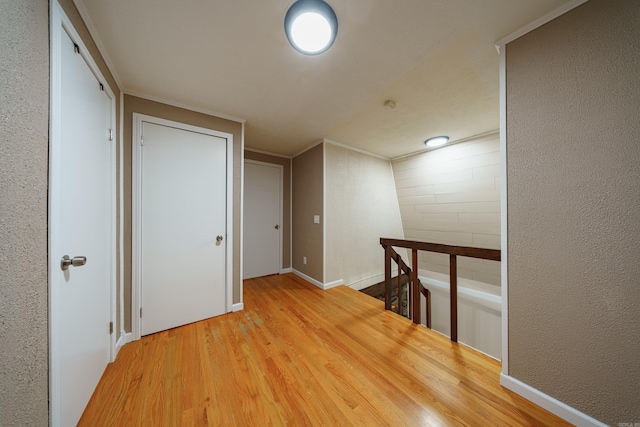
(182, 224)
(81, 223)
(263, 223)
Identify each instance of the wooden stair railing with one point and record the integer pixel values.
(405, 276)
(416, 287)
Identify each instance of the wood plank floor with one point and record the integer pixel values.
(297, 355)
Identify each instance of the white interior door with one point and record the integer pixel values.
(81, 227)
(183, 223)
(262, 237)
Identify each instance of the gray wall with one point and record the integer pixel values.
(573, 149)
(307, 200)
(24, 135)
(286, 202)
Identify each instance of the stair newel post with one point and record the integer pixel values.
(415, 284)
(387, 277)
(453, 295)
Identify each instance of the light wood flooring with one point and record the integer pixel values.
(297, 355)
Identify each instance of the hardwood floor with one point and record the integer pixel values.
(298, 355)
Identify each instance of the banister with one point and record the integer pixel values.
(403, 269)
(452, 251)
(468, 251)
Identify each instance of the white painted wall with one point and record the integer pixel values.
(452, 196)
(361, 206)
(479, 313)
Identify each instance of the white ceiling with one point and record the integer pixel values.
(435, 58)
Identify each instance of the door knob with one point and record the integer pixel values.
(277, 227)
(77, 261)
(219, 239)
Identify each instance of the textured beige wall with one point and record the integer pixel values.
(134, 104)
(24, 134)
(452, 195)
(573, 152)
(307, 200)
(361, 207)
(286, 202)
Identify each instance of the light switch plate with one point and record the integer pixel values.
(316, 219)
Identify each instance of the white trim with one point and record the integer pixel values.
(549, 403)
(241, 237)
(286, 270)
(308, 278)
(184, 106)
(478, 137)
(539, 22)
(304, 150)
(60, 22)
(136, 238)
(237, 307)
(121, 230)
(86, 18)
(323, 286)
(268, 153)
(114, 213)
(332, 284)
(357, 150)
(323, 219)
(125, 338)
(229, 220)
(280, 205)
(504, 241)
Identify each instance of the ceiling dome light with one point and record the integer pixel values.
(437, 141)
(311, 26)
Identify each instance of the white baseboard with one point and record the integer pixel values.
(286, 270)
(125, 338)
(549, 403)
(332, 284)
(368, 281)
(308, 279)
(323, 286)
(237, 307)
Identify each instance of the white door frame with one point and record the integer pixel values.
(136, 235)
(280, 207)
(60, 22)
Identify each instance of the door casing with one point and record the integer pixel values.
(280, 168)
(59, 22)
(136, 238)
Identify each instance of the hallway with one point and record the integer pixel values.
(301, 356)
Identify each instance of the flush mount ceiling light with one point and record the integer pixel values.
(437, 141)
(311, 26)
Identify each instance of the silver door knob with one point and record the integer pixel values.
(219, 239)
(77, 261)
